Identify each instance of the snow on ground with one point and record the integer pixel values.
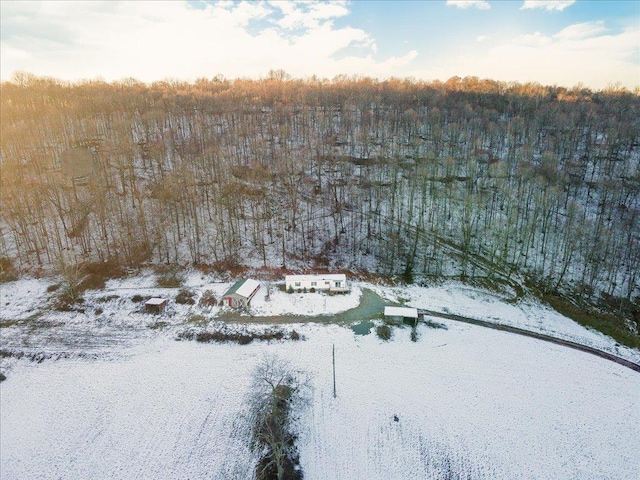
(111, 312)
(131, 402)
(310, 304)
(21, 299)
(172, 411)
(485, 403)
(528, 313)
(25, 299)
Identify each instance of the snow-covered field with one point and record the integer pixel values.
(483, 402)
(469, 400)
(28, 299)
(528, 313)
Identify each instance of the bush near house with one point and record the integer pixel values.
(185, 297)
(384, 332)
(208, 299)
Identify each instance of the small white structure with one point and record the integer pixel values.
(400, 313)
(155, 305)
(240, 293)
(328, 282)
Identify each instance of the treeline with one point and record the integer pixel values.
(463, 178)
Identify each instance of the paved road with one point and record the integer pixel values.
(539, 336)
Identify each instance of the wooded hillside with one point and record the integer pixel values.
(464, 178)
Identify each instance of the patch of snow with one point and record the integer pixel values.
(528, 313)
(487, 403)
(23, 298)
(308, 304)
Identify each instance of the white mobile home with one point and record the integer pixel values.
(327, 282)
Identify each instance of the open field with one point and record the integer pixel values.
(468, 400)
(114, 395)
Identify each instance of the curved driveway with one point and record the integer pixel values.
(539, 336)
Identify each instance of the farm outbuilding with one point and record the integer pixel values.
(336, 282)
(240, 293)
(155, 305)
(399, 314)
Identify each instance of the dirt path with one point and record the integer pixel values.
(539, 336)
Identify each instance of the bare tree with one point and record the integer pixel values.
(277, 388)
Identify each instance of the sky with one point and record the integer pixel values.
(554, 42)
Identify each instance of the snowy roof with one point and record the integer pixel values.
(401, 312)
(156, 301)
(244, 287)
(247, 288)
(319, 276)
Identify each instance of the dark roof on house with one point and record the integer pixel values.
(234, 288)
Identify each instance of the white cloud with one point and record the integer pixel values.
(308, 14)
(582, 53)
(557, 5)
(480, 4)
(534, 40)
(154, 40)
(579, 31)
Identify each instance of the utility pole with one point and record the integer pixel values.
(334, 370)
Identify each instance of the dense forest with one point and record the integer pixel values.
(464, 178)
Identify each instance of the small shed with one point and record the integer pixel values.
(155, 305)
(240, 293)
(400, 314)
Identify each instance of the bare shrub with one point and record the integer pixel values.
(433, 324)
(384, 332)
(169, 277)
(243, 337)
(208, 299)
(70, 291)
(197, 319)
(218, 336)
(109, 269)
(92, 281)
(277, 389)
(96, 273)
(8, 273)
(107, 298)
(185, 297)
